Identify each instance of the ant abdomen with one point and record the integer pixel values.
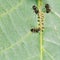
(47, 8)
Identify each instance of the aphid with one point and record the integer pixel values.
(38, 20)
(42, 27)
(47, 8)
(35, 9)
(35, 30)
(42, 23)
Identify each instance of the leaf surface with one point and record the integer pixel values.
(16, 40)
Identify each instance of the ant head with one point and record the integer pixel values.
(34, 7)
(46, 6)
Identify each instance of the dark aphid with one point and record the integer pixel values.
(35, 30)
(38, 16)
(42, 30)
(42, 27)
(47, 8)
(35, 9)
(42, 23)
(38, 20)
(39, 24)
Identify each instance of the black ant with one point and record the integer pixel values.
(35, 30)
(35, 9)
(47, 8)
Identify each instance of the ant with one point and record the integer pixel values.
(35, 9)
(47, 8)
(35, 30)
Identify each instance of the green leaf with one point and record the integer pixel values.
(52, 32)
(17, 42)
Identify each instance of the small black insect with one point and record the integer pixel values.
(35, 30)
(35, 9)
(47, 8)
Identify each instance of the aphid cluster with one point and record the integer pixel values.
(47, 8)
(40, 17)
(41, 21)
